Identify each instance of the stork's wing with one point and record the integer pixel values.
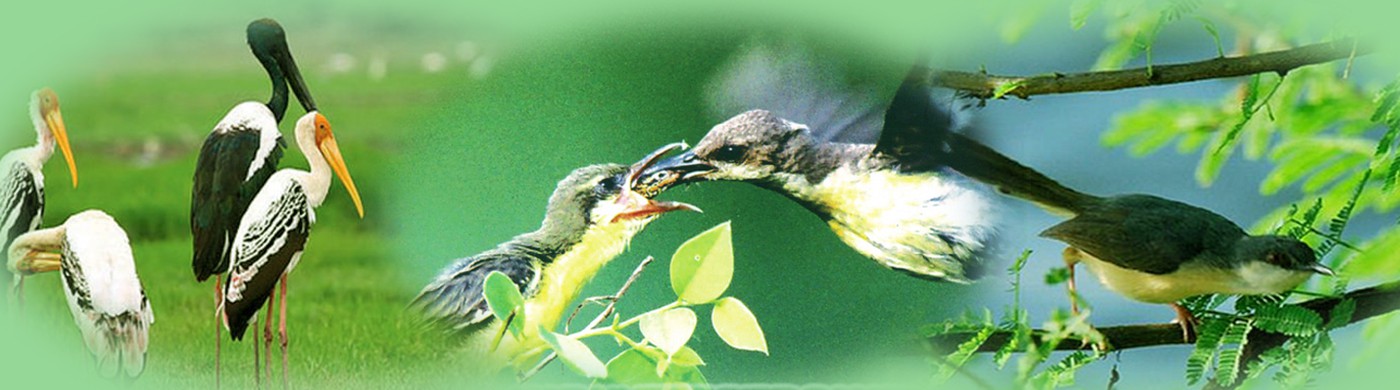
(104, 293)
(454, 299)
(23, 201)
(270, 239)
(223, 188)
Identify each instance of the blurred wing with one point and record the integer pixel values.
(914, 128)
(787, 79)
(269, 242)
(115, 323)
(454, 299)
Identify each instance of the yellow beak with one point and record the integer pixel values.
(331, 152)
(54, 119)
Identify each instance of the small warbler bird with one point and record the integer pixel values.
(1145, 247)
(591, 217)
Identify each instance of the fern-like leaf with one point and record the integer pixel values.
(1208, 336)
(1236, 336)
(1291, 320)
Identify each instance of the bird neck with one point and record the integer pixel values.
(44, 140)
(316, 182)
(563, 279)
(805, 165)
(278, 102)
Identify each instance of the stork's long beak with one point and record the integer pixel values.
(683, 168)
(54, 119)
(31, 261)
(293, 75)
(331, 152)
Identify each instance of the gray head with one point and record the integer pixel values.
(605, 194)
(1280, 251)
(751, 146)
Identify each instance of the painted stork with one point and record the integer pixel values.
(22, 187)
(99, 278)
(592, 216)
(239, 156)
(273, 232)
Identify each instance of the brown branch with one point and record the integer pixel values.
(607, 311)
(984, 86)
(1370, 302)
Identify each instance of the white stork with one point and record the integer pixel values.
(238, 157)
(22, 186)
(274, 230)
(99, 278)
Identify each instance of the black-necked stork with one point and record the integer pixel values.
(22, 187)
(273, 232)
(99, 278)
(239, 156)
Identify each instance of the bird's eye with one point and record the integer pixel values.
(730, 153)
(609, 185)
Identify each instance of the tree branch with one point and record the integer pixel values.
(984, 86)
(1370, 302)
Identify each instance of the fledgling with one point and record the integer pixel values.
(591, 217)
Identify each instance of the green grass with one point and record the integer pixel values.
(136, 134)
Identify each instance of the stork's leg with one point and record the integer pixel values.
(19, 293)
(267, 337)
(1187, 322)
(218, 332)
(1071, 256)
(282, 329)
(257, 357)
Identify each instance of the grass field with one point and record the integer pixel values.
(136, 132)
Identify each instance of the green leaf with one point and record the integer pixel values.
(1208, 335)
(575, 354)
(506, 303)
(669, 329)
(1080, 10)
(1341, 314)
(1229, 366)
(703, 266)
(1056, 276)
(958, 358)
(1289, 320)
(687, 357)
(737, 326)
(632, 367)
(1005, 88)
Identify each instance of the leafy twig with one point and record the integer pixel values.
(607, 311)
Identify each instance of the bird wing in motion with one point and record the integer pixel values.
(1143, 232)
(223, 186)
(269, 242)
(914, 129)
(454, 300)
(104, 294)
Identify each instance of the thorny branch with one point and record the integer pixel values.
(607, 311)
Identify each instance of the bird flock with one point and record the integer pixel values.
(919, 200)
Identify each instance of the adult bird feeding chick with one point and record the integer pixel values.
(1145, 247)
(99, 279)
(22, 187)
(892, 201)
(591, 217)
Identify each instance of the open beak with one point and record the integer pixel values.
(683, 168)
(331, 151)
(637, 196)
(1321, 269)
(54, 119)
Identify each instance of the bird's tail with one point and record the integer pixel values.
(1009, 177)
(118, 342)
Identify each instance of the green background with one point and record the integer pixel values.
(450, 165)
